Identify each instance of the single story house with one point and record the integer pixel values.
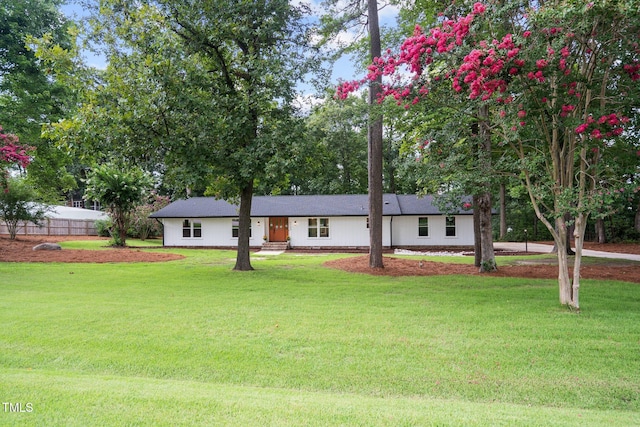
(314, 222)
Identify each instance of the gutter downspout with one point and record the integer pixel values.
(162, 224)
(390, 232)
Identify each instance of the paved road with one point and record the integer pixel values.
(542, 248)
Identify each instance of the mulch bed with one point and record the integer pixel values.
(21, 250)
(412, 267)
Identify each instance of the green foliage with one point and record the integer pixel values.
(196, 110)
(19, 205)
(29, 94)
(337, 160)
(119, 189)
(103, 227)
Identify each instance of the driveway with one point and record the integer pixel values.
(544, 248)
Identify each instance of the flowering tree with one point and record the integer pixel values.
(16, 198)
(142, 226)
(11, 154)
(559, 83)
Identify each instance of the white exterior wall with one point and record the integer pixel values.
(346, 231)
(215, 232)
(343, 232)
(405, 231)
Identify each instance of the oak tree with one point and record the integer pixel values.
(201, 92)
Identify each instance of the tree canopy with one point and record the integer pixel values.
(29, 96)
(200, 91)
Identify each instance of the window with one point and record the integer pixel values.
(197, 229)
(235, 226)
(191, 229)
(450, 230)
(318, 227)
(423, 227)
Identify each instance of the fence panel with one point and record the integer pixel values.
(55, 227)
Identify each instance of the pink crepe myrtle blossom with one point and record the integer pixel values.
(566, 109)
(11, 152)
(608, 125)
(487, 69)
(633, 70)
(582, 128)
(15, 154)
(479, 8)
(542, 63)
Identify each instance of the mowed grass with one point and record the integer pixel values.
(192, 342)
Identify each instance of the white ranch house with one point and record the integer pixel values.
(314, 222)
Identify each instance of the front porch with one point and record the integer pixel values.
(275, 246)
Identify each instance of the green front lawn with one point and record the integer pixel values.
(192, 342)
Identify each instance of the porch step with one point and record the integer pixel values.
(275, 246)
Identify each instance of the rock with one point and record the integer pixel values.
(47, 247)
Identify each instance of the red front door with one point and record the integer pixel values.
(278, 229)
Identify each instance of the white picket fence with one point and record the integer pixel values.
(55, 227)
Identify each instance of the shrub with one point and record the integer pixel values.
(142, 226)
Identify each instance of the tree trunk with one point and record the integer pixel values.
(503, 210)
(567, 237)
(564, 280)
(389, 162)
(12, 227)
(488, 262)
(243, 260)
(637, 218)
(477, 241)
(600, 231)
(570, 229)
(578, 237)
(120, 222)
(375, 148)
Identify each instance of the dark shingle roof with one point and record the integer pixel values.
(319, 205)
(410, 204)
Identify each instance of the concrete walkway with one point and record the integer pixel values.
(543, 248)
(268, 253)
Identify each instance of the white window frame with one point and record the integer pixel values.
(315, 226)
(235, 228)
(450, 224)
(423, 226)
(194, 226)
